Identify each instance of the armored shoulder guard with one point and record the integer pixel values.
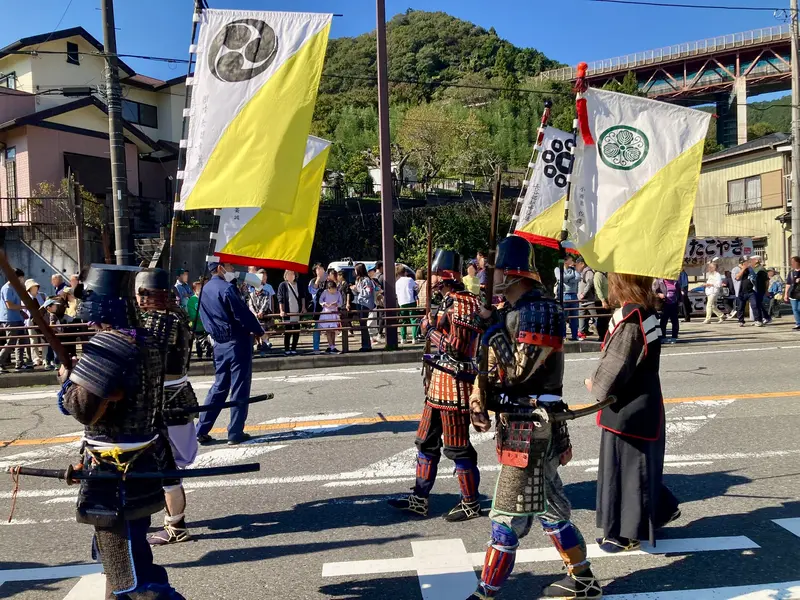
(107, 361)
(464, 311)
(540, 322)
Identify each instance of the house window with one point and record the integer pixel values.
(140, 114)
(744, 195)
(9, 80)
(11, 172)
(73, 56)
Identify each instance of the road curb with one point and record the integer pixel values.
(282, 363)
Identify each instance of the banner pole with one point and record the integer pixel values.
(580, 87)
(537, 148)
(199, 5)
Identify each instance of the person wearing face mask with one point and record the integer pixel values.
(230, 323)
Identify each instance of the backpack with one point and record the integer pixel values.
(670, 291)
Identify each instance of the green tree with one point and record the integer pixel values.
(628, 85)
(760, 129)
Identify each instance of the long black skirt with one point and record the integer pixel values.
(632, 501)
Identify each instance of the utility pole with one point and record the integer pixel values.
(116, 139)
(387, 212)
(795, 196)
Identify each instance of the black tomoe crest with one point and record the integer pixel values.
(241, 50)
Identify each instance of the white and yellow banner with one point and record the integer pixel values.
(541, 216)
(635, 182)
(253, 95)
(271, 238)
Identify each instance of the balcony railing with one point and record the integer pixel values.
(743, 206)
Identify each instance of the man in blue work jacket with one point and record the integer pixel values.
(230, 323)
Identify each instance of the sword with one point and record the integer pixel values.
(569, 415)
(187, 411)
(71, 474)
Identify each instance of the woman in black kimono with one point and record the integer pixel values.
(632, 502)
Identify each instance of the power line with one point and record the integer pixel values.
(64, 14)
(695, 6)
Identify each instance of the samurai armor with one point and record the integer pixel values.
(177, 399)
(523, 441)
(128, 562)
(499, 561)
(133, 417)
(527, 344)
(456, 338)
(107, 502)
(107, 363)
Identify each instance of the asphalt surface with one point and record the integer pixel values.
(335, 443)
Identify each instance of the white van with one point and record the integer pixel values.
(347, 265)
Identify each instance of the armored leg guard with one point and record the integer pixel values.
(175, 529)
(499, 561)
(427, 468)
(584, 585)
(128, 562)
(570, 545)
(469, 478)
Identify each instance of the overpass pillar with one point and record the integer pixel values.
(740, 89)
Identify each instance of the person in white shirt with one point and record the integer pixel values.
(406, 289)
(713, 287)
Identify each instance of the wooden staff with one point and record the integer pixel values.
(483, 376)
(36, 315)
(428, 283)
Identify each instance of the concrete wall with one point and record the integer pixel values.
(41, 257)
(191, 248)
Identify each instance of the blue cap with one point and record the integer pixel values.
(213, 266)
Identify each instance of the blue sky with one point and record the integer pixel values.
(566, 30)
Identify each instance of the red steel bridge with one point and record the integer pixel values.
(721, 70)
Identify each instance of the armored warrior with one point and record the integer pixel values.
(454, 331)
(524, 340)
(115, 390)
(168, 323)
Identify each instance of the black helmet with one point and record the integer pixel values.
(108, 296)
(515, 257)
(447, 264)
(153, 290)
(152, 279)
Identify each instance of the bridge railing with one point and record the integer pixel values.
(648, 57)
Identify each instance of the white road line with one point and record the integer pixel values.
(398, 471)
(789, 590)
(230, 456)
(441, 553)
(790, 525)
(323, 417)
(444, 570)
(33, 457)
(42, 394)
(5, 522)
(685, 420)
(359, 483)
(59, 501)
(90, 587)
(46, 573)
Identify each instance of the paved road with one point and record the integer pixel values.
(335, 444)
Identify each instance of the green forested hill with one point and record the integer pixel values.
(443, 129)
(769, 117)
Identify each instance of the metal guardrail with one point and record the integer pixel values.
(668, 53)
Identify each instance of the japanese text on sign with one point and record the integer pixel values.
(702, 250)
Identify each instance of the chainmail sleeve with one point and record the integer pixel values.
(624, 351)
(81, 403)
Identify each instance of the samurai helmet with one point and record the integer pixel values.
(108, 296)
(447, 265)
(515, 259)
(153, 291)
